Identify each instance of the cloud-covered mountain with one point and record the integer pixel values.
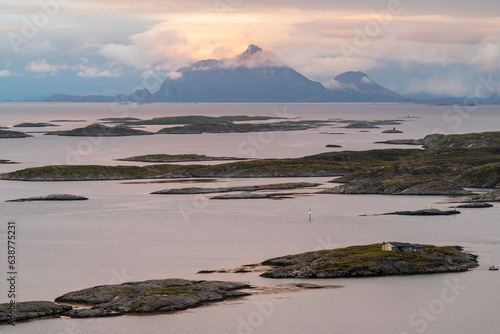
(256, 75)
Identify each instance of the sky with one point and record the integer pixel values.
(109, 47)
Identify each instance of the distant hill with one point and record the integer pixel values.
(357, 86)
(256, 75)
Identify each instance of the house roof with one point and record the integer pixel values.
(405, 244)
(400, 244)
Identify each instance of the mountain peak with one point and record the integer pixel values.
(252, 49)
(353, 78)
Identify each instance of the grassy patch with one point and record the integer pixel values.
(174, 290)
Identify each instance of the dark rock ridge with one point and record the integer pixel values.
(369, 260)
(177, 158)
(54, 197)
(153, 296)
(333, 146)
(3, 161)
(278, 186)
(425, 212)
(13, 134)
(32, 310)
(253, 196)
(256, 75)
(99, 130)
(474, 206)
(392, 131)
(418, 142)
(34, 125)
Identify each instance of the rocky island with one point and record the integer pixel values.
(370, 260)
(13, 134)
(147, 297)
(190, 119)
(33, 125)
(242, 127)
(416, 142)
(159, 158)
(54, 197)
(99, 130)
(278, 186)
(425, 212)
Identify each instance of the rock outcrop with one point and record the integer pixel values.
(31, 310)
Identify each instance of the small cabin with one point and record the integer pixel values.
(402, 247)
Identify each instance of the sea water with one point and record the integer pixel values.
(123, 233)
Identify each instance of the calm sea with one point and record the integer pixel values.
(125, 234)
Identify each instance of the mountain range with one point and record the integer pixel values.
(256, 75)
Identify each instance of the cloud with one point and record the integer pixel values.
(367, 80)
(42, 66)
(174, 75)
(455, 84)
(487, 55)
(93, 72)
(326, 68)
(332, 84)
(5, 73)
